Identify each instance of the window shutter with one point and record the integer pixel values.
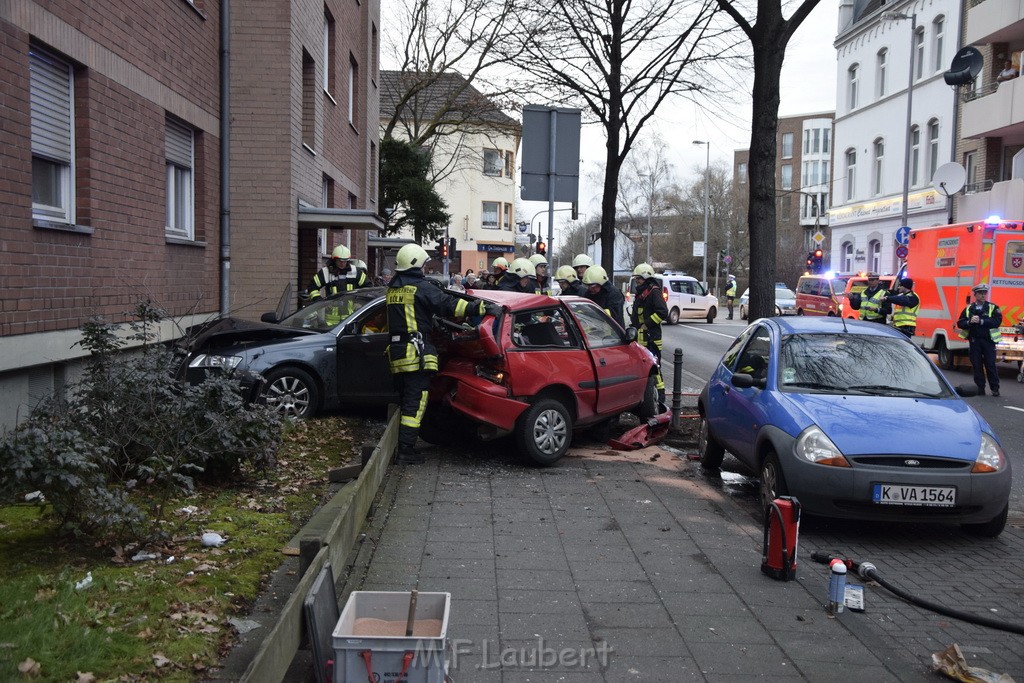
(179, 144)
(51, 106)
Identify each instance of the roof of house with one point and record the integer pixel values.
(469, 103)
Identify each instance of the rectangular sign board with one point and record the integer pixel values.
(698, 248)
(537, 153)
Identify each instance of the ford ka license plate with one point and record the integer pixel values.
(909, 494)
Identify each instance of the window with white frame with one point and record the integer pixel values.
(180, 152)
(879, 163)
(919, 53)
(875, 256)
(787, 145)
(915, 154)
(807, 140)
(933, 148)
(741, 172)
(328, 52)
(824, 173)
(826, 142)
(507, 224)
(787, 176)
(883, 57)
(851, 89)
(939, 23)
(816, 141)
(510, 168)
(492, 162)
(851, 174)
(51, 95)
(848, 256)
(970, 159)
(490, 215)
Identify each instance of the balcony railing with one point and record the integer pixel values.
(978, 93)
(980, 186)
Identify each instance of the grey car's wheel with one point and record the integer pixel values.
(292, 393)
(710, 451)
(712, 313)
(743, 313)
(991, 528)
(946, 360)
(673, 316)
(544, 431)
(773, 483)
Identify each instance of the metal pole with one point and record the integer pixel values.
(677, 387)
(707, 201)
(551, 179)
(910, 106)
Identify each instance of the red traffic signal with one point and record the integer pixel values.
(542, 248)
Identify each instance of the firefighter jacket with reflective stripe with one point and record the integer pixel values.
(730, 291)
(544, 286)
(353, 278)
(412, 303)
(904, 309)
(508, 282)
(871, 304)
(611, 300)
(649, 311)
(574, 288)
(991, 318)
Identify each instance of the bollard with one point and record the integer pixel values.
(677, 387)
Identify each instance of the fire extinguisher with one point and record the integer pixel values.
(781, 528)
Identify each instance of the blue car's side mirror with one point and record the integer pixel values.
(966, 390)
(742, 380)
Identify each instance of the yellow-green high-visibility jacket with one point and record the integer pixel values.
(649, 311)
(354, 278)
(871, 306)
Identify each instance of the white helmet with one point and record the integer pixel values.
(538, 260)
(500, 262)
(595, 275)
(566, 273)
(341, 252)
(523, 268)
(410, 256)
(582, 260)
(732, 277)
(643, 270)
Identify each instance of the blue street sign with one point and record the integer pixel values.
(903, 235)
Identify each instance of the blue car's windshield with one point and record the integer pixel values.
(857, 364)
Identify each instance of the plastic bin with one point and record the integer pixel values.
(384, 655)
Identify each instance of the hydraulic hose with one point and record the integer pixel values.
(866, 570)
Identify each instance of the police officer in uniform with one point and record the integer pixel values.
(649, 312)
(979, 325)
(602, 292)
(872, 301)
(569, 282)
(540, 264)
(412, 303)
(905, 304)
(730, 294)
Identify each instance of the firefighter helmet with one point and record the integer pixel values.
(538, 260)
(410, 256)
(643, 270)
(500, 263)
(566, 273)
(341, 252)
(523, 268)
(595, 275)
(582, 260)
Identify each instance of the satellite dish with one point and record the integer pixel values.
(949, 178)
(965, 67)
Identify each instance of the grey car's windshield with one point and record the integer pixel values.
(857, 364)
(325, 314)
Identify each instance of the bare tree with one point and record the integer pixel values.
(769, 35)
(619, 60)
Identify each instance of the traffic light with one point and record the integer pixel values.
(451, 246)
(815, 261)
(542, 248)
(442, 248)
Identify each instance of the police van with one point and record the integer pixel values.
(686, 298)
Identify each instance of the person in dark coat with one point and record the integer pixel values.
(979, 324)
(601, 291)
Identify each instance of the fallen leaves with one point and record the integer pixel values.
(86, 677)
(30, 668)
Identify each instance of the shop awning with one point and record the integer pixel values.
(351, 219)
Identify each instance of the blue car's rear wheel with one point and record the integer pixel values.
(711, 452)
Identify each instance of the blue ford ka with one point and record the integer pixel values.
(855, 421)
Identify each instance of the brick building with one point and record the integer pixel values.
(110, 147)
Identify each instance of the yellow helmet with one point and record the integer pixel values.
(341, 252)
(538, 260)
(523, 268)
(582, 260)
(595, 275)
(566, 273)
(500, 262)
(410, 256)
(643, 270)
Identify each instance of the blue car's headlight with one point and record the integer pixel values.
(204, 360)
(813, 446)
(990, 456)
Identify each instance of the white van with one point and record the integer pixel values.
(686, 298)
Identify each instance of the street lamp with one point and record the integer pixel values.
(900, 16)
(650, 208)
(707, 200)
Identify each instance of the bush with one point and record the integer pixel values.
(129, 437)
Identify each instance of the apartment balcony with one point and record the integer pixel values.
(995, 113)
(1005, 199)
(994, 21)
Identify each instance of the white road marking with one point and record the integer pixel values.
(720, 334)
(1014, 408)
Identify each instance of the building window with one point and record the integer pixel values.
(875, 256)
(807, 141)
(826, 143)
(328, 52)
(492, 163)
(851, 173)
(179, 149)
(816, 143)
(741, 172)
(308, 102)
(852, 87)
(373, 171)
(824, 173)
(52, 105)
(353, 89)
(919, 53)
(489, 215)
(883, 56)
(848, 256)
(933, 148)
(915, 154)
(876, 181)
(787, 177)
(785, 203)
(787, 145)
(510, 166)
(374, 66)
(939, 26)
(508, 216)
(972, 171)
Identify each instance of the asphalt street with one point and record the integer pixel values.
(704, 344)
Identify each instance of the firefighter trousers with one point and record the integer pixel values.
(412, 387)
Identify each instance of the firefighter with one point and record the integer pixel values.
(341, 274)
(540, 264)
(499, 267)
(569, 282)
(602, 292)
(508, 280)
(412, 303)
(730, 294)
(580, 263)
(649, 312)
(979, 325)
(872, 301)
(525, 274)
(905, 304)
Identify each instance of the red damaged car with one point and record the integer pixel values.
(546, 367)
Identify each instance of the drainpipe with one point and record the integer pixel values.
(961, 30)
(225, 156)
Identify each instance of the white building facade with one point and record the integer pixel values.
(873, 62)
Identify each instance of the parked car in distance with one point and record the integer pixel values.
(820, 294)
(793, 400)
(857, 284)
(785, 302)
(687, 299)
